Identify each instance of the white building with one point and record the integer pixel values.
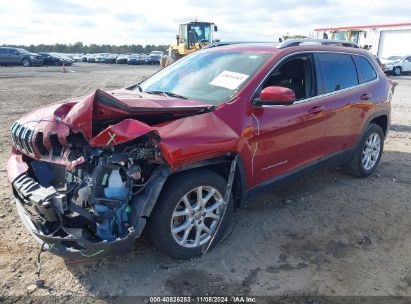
(383, 39)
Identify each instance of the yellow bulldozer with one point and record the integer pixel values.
(192, 37)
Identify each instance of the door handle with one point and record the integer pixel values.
(365, 96)
(316, 110)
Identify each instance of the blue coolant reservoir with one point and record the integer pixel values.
(116, 188)
(111, 224)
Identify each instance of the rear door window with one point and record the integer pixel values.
(338, 71)
(366, 71)
(3, 51)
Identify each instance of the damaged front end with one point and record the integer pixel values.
(85, 186)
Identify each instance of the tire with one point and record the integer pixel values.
(358, 165)
(161, 221)
(26, 62)
(397, 71)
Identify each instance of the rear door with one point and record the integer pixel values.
(4, 56)
(345, 98)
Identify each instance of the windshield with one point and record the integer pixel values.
(212, 77)
(201, 32)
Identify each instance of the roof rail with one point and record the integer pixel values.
(309, 41)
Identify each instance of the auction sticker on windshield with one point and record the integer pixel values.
(229, 80)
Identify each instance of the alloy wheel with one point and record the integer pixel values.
(371, 152)
(26, 63)
(196, 216)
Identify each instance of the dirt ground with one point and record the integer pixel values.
(327, 234)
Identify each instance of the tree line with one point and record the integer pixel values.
(79, 47)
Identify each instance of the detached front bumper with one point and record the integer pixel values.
(72, 247)
(74, 244)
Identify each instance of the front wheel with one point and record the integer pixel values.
(397, 71)
(368, 153)
(26, 62)
(188, 213)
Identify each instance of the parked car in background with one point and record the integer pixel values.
(101, 58)
(134, 59)
(174, 154)
(16, 56)
(111, 58)
(91, 57)
(63, 57)
(78, 57)
(396, 64)
(146, 59)
(155, 56)
(122, 59)
(51, 59)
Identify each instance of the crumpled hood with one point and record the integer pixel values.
(80, 115)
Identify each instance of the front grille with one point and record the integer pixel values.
(22, 137)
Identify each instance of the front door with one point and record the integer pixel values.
(288, 137)
(14, 56)
(407, 64)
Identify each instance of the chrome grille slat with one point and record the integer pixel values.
(13, 130)
(22, 137)
(20, 129)
(29, 139)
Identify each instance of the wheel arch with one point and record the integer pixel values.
(380, 118)
(221, 165)
(382, 121)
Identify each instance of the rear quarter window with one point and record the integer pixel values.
(338, 71)
(366, 71)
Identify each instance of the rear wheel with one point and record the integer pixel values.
(26, 62)
(367, 156)
(188, 213)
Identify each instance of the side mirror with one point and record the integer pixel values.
(215, 28)
(275, 95)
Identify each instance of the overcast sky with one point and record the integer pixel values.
(156, 21)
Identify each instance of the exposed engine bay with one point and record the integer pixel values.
(93, 195)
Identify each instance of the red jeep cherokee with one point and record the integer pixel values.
(180, 150)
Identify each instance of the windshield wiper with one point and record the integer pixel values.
(140, 89)
(170, 94)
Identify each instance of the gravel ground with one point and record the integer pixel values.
(327, 234)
